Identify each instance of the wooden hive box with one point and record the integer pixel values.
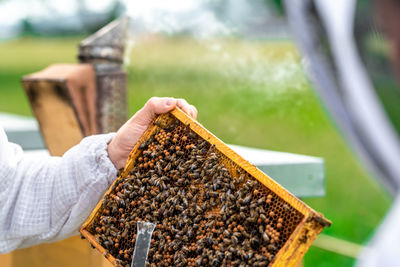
(243, 215)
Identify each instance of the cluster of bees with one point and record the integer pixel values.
(208, 211)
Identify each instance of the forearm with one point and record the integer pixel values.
(50, 198)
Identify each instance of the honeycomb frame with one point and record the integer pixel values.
(299, 239)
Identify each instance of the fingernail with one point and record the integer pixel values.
(169, 102)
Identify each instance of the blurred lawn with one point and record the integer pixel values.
(247, 93)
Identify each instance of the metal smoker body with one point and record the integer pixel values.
(105, 50)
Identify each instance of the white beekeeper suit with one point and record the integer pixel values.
(384, 248)
(48, 198)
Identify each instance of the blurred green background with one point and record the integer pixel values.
(252, 93)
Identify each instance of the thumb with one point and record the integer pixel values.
(128, 135)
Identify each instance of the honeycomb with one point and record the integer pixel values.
(208, 210)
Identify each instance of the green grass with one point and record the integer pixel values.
(24, 56)
(322, 258)
(247, 93)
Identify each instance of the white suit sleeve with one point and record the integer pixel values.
(384, 248)
(47, 199)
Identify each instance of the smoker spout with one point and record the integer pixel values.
(107, 45)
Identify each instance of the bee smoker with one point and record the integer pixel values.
(105, 51)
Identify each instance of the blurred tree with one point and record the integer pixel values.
(84, 19)
(277, 4)
(93, 21)
(27, 27)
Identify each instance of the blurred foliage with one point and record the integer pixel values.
(251, 93)
(87, 21)
(109, 15)
(277, 4)
(90, 21)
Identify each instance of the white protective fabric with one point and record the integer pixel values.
(48, 198)
(384, 248)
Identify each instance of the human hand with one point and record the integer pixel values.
(128, 135)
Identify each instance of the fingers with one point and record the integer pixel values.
(159, 105)
(154, 106)
(186, 107)
(127, 136)
(194, 112)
